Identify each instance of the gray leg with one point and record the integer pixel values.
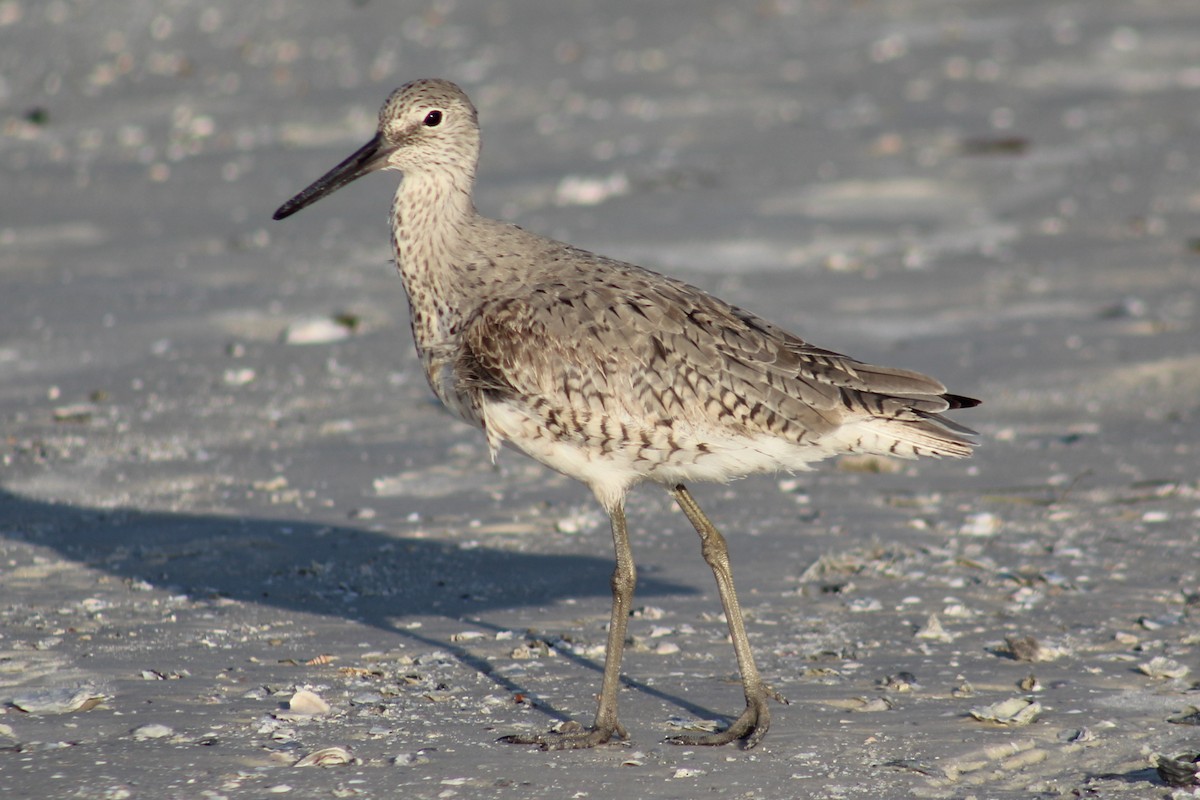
(624, 578)
(752, 725)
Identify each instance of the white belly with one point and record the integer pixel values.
(691, 455)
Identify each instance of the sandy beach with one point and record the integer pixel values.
(243, 552)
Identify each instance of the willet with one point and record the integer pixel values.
(613, 374)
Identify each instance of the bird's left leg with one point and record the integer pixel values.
(754, 722)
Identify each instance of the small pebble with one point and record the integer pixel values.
(1189, 716)
(901, 682)
(1022, 648)
(873, 704)
(1077, 736)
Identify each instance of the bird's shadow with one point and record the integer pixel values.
(338, 571)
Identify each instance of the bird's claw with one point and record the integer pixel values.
(569, 736)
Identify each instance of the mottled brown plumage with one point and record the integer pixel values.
(613, 374)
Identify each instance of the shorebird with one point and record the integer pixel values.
(613, 374)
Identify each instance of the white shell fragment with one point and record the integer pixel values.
(308, 703)
(1014, 711)
(316, 330)
(588, 190)
(327, 757)
(75, 412)
(153, 730)
(411, 759)
(239, 376)
(578, 521)
(984, 523)
(934, 631)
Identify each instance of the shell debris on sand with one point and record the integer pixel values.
(1015, 711)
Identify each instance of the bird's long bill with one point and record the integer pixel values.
(368, 158)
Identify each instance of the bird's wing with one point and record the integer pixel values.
(641, 350)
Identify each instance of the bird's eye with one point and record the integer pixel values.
(433, 118)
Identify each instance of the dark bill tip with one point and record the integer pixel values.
(366, 159)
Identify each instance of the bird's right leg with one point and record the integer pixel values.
(572, 736)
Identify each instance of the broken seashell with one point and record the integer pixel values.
(308, 703)
(327, 757)
(1014, 711)
(60, 700)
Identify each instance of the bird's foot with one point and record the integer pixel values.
(569, 736)
(751, 726)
